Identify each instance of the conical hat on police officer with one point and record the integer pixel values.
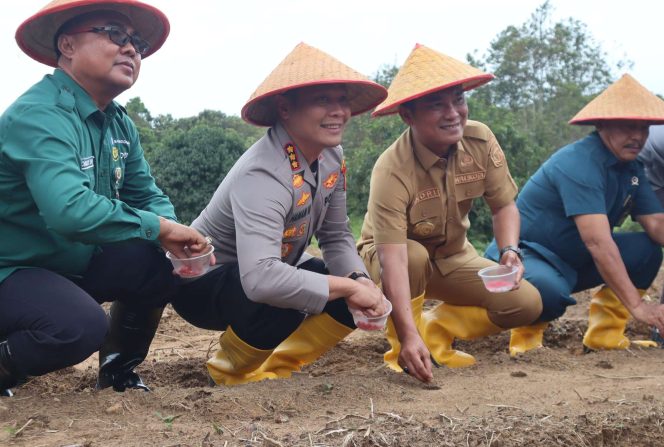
(308, 66)
(625, 99)
(426, 71)
(36, 35)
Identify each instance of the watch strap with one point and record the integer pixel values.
(507, 248)
(355, 275)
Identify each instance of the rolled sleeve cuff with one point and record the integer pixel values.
(503, 198)
(390, 237)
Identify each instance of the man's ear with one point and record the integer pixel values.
(66, 45)
(283, 107)
(406, 114)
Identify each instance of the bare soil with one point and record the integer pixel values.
(554, 396)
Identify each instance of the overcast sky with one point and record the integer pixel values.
(218, 52)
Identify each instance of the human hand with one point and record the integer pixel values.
(182, 241)
(650, 313)
(367, 297)
(415, 358)
(510, 259)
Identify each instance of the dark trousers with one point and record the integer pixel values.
(51, 322)
(642, 258)
(217, 301)
(660, 195)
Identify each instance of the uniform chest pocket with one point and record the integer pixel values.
(469, 189)
(426, 219)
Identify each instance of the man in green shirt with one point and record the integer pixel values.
(81, 218)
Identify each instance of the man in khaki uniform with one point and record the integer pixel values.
(414, 235)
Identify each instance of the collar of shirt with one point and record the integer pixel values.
(427, 158)
(609, 160)
(282, 138)
(84, 103)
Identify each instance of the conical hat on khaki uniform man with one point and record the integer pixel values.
(307, 66)
(426, 71)
(625, 99)
(36, 36)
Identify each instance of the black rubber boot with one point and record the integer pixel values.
(7, 376)
(126, 346)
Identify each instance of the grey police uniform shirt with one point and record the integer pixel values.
(264, 214)
(652, 157)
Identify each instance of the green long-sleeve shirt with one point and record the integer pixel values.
(71, 177)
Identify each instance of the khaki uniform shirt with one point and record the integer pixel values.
(264, 214)
(417, 195)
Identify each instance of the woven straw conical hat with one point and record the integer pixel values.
(36, 35)
(426, 71)
(625, 99)
(307, 66)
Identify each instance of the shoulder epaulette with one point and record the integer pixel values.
(66, 99)
(475, 129)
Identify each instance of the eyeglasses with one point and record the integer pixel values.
(118, 36)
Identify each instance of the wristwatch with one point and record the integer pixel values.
(507, 248)
(356, 275)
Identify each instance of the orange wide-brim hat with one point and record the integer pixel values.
(307, 66)
(36, 35)
(426, 71)
(625, 99)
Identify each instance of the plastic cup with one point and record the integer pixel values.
(499, 278)
(371, 323)
(191, 267)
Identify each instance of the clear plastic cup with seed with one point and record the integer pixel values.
(499, 278)
(367, 323)
(191, 267)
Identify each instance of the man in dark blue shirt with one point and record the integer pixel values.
(569, 209)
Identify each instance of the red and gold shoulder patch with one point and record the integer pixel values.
(289, 148)
(331, 180)
(298, 181)
(302, 229)
(343, 171)
(286, 250)
(304, 198)
(290, 232)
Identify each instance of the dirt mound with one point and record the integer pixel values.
(554, 396)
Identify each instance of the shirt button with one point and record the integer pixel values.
(148, 233)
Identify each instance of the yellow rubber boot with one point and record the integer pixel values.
(236, 362)
(441, 325)
(392, 355)
(523, 339)
(607, 320)
(314, 337)
(645, 343)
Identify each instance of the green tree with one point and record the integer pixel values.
(194, 158)
(545, 73)
(365, 139)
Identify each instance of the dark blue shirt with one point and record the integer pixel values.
(581, 178)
